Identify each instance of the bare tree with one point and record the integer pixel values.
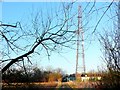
(110, 42)
(111, 49)
(44, 34)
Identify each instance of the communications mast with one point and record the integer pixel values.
(80, 32)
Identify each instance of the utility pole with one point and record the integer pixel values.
(80, 32)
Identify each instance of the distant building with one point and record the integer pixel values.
(83, 77)
(67, 78)
(91, 77)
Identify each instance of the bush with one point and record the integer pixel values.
(111, 80)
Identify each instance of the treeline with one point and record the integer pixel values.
(31, 75)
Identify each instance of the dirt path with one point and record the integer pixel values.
(64, 86)
(77, 85)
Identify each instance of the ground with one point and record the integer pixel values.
(49, 85)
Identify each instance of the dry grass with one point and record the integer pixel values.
(29, 86)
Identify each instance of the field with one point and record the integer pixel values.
(29, 86)
(48, 85)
